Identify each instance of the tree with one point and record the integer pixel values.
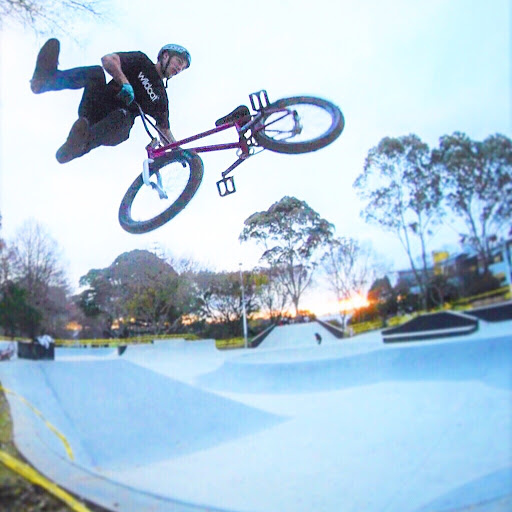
(381, 293)
(137, 285)
(477, 177)
(219, 298)
(404, 195)
(348, 267)
(291, 232)
(47, 16)
(17, 316)
(36, 268)
(4, 259)
(271, 293)
(151, 304)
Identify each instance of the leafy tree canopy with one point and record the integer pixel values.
(477, 178)
(291, 231)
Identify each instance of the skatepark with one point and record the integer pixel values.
(350, 424)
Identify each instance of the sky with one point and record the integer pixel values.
(394, 67)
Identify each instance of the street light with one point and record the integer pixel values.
(244, 315)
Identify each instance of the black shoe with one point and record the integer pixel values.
(46, 66)
(76, 142)
(241, 113)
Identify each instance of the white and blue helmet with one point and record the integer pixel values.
(176, 49)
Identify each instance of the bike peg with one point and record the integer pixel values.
(226, 186)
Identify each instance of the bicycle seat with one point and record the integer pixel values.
(240, 113)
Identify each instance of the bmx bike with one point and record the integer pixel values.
(172, 174)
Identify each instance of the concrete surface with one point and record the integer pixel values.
(348, 425)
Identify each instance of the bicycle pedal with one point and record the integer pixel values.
(226, 186)
(259, 100)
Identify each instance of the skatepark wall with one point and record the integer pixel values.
(257, 340)
(35, 351)
(339, 333)
(447, 323)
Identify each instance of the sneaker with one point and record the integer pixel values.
(46, 66)
(76, 142)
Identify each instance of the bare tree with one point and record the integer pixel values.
(36, 267)
(272, 295)
(46, 16)
(350, 268)
(219, 298)
(4, 262)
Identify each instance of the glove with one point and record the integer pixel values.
(126, 94)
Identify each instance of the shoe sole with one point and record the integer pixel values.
(46, 64)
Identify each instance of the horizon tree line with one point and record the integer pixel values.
(408, 187)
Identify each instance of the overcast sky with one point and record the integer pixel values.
(394, 67)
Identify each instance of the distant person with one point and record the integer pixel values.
(107, 111)
(318, 338)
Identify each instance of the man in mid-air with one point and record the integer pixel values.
(107, 110)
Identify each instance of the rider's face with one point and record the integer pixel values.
(176, 65)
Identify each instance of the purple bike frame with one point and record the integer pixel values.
(241, 144)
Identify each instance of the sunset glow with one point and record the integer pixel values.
(321, 307)
(357, 301)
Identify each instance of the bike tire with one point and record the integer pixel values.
(192, 164)
(333, 120)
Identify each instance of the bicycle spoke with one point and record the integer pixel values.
(147, 203)
(302, 123)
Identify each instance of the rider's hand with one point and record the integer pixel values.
(126, 94)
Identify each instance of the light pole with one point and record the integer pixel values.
(244, 315)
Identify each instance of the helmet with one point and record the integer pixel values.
(176, 49)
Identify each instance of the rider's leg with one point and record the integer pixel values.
(113, 129)
(90, 77)
(75, 143)
(48, 78)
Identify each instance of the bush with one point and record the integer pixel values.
(483, 283)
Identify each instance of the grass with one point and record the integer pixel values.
(230, 343)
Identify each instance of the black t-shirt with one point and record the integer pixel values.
(149, 88)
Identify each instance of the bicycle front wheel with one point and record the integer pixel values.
(179, 175)
(299, 125)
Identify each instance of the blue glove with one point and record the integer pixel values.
(126, 94)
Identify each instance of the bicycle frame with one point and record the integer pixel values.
(241, 144)
(225, 186)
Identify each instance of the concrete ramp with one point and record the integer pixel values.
(350, 425)
(298, 335)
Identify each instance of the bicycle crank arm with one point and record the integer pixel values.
(226, 185)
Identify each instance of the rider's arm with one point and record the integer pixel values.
(112, 65)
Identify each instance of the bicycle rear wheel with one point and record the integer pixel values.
(299, 125)
(142, 210)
